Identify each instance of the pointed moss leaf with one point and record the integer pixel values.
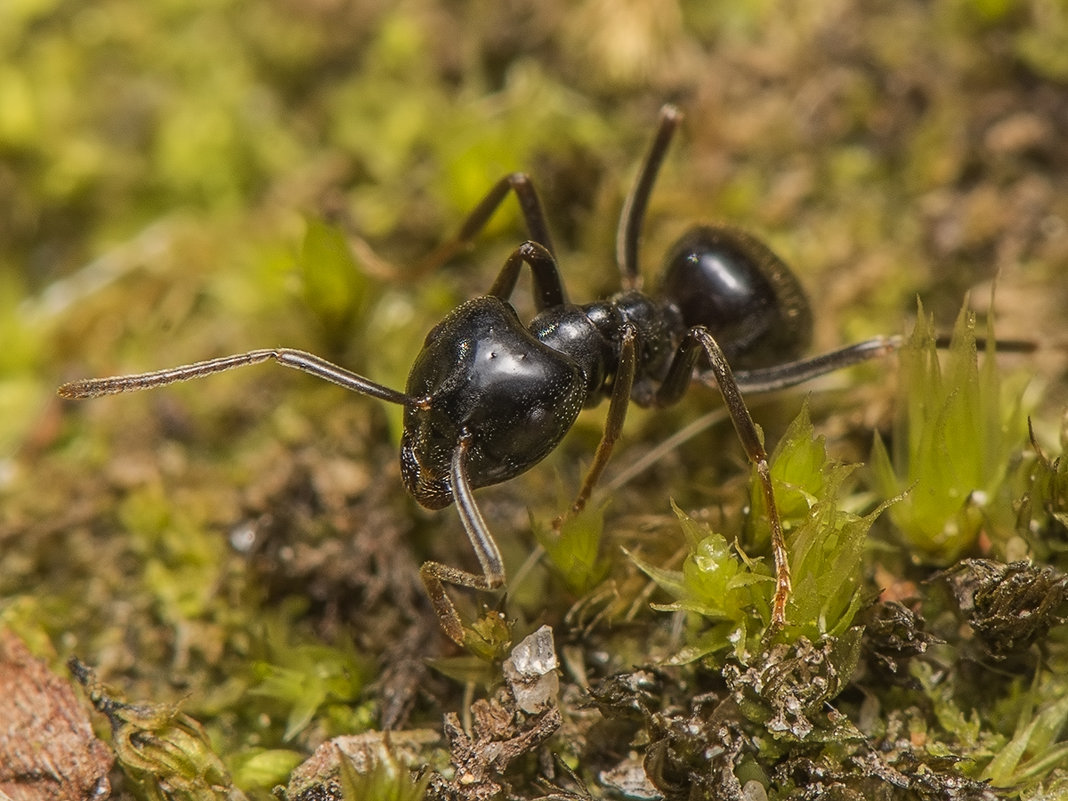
(692, 530)
(846, 653)
(304, 697)
(825, 541)
(1034, 737)
(716, 584)
(262, 768)
(798, 468)
(707, 611)
(386, 779)
(708, 643)
(308, 676)
(826, 553)
(704, 583)
(797, 473)
(574, 549)
(1044, 505)
(952, 441)
(882, 468)
(668, 580)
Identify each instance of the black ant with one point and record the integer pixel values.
(488, 398)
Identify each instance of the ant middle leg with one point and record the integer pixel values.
(529, 206)
(618, 404)
(671, 390)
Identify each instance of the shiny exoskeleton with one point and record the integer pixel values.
(518, 389)
(489, 397)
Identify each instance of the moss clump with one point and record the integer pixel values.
(956, 433)
(729, 594)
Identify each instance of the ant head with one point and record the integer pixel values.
(482, 376)
(731, 283)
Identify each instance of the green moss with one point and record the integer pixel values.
(314, 680)
(574, 548)
(262, 768)
(164, 754)
(1033, 750)
(382, 783)
(732, 593)
(1042, 506)
(955, 434)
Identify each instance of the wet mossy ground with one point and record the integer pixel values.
(236, 559)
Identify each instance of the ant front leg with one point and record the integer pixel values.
(675, 383)
(435, 575)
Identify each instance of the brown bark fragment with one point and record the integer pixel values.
(48, 751)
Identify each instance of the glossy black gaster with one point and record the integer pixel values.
(489, 397)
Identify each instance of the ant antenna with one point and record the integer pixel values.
(633, 215)
(287, 357)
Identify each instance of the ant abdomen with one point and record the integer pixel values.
(731, 283)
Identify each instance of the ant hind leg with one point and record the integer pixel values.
(675, 383)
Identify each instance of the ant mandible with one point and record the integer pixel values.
(488, 398)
